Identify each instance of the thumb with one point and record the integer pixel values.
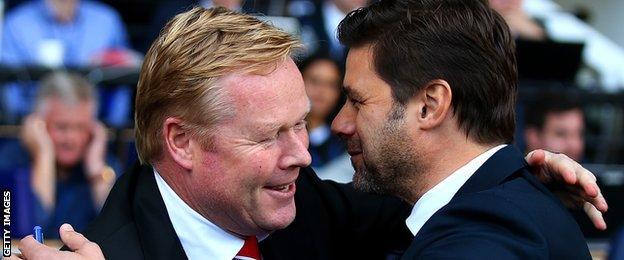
(71, 238)
(79, 243)
(31, 249)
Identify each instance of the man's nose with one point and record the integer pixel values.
(296, 154)
(344, 123)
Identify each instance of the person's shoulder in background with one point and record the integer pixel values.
(99, 11)
(27, 9)
(616, 252)
(12, 155)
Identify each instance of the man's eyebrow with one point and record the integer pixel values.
(269, 127)
(265, 127)
(351, 93)
(308, 109)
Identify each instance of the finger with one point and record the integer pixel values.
(600, 202)
(595, 216)
(91, 250)
(31, 249)
(536, 158)
(79, 243)
(551, 166)
(561, 167)
(573, 197)
(587, 181)
(14, 256)
(71, 238)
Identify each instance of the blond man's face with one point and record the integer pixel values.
(249, 174)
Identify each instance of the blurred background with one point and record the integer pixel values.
(68, 69)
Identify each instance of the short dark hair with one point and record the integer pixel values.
(546, 103)
(463, 42)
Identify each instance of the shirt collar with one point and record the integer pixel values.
(200, 238)
(441, 194)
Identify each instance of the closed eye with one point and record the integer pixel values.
(301, 125)
(356, 103)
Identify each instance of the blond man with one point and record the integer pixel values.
(220, 122)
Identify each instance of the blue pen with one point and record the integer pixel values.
(38, 234)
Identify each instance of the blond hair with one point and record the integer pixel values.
(180, 73)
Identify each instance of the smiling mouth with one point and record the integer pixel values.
(280, 188)
(283, 190)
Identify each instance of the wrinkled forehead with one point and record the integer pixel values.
(280, 90)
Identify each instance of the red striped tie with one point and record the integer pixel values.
(250, 249)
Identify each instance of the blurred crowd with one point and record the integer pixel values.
(62, 162)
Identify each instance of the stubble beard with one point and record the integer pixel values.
(389, 163)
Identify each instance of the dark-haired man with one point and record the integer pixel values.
(431, 89)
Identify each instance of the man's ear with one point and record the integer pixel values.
(178, 142)
(433, 104)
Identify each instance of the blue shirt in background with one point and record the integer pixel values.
(94, 29)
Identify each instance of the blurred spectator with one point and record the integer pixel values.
(60, 32)
(319, 22)
(70, 174)
(616, 251)
(55, 33)
(322, 77)
(520, 23)
(557, 124)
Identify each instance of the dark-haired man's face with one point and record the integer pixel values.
(375, 128)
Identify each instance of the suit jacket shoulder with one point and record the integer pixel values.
(134, 223)
(502, 212)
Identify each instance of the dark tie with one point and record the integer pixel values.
(250, 250)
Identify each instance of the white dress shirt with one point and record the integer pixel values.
(441, 194)
(201, 239)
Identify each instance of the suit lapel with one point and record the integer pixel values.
(158, 238)
(495, 170)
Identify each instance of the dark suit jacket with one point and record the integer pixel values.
(333, 222)
(501, 212)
